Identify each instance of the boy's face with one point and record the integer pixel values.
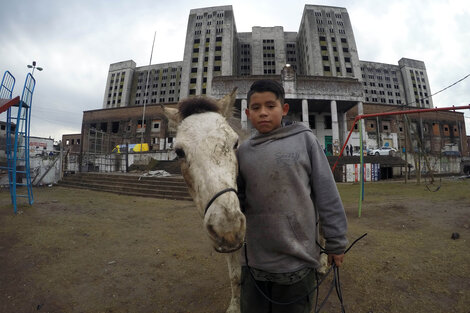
(265, 111)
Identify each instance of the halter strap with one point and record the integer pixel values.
(216, 196)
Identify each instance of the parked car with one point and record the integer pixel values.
(385, 150)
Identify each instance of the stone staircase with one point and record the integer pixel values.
(172, 187)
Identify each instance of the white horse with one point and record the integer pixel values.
(205, 144)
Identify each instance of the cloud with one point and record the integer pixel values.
(75, 41)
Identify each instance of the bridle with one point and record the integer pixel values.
(218, 195)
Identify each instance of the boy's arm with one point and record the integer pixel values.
(328, 203)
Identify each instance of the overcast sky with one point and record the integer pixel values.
(75, 41)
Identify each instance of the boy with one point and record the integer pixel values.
(285, 187)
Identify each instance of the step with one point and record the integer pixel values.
(142, 184)
(172, 196)
(172, 187)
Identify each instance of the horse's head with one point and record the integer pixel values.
(205, 145)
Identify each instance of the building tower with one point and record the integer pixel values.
(416, 83)
(210, 49)
(118, 85)
(326, 44)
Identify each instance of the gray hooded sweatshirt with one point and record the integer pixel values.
(285, 186)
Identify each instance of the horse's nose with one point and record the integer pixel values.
(227, 234)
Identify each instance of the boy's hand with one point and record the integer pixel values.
(337, 258)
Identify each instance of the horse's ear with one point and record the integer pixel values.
(171, 113)
(227, 103)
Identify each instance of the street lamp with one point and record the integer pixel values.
(34, 67)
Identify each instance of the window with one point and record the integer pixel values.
(156, 125)
(104, 126)
(139, 125)
(327, 121)
(311, 121)
(114, 127)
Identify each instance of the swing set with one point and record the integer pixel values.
(364, 116)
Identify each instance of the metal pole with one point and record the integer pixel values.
(405, 128)
(361, 196)
(145, 95)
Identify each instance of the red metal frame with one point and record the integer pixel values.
(7, 103)
(360, 117)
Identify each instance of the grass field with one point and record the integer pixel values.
(84, 251)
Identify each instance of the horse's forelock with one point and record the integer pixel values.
(196, 105)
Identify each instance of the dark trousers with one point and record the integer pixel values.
(252, 301)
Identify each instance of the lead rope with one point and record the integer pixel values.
(335, 282)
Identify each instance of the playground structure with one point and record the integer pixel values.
(361, 139)
(17, 125)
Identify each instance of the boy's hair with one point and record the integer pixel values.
(265, 85)
(194, 105)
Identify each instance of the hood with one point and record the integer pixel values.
(279, 133)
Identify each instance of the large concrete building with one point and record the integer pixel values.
(323, 46)
(319, 67)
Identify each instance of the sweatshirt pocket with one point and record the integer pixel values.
(272, 237)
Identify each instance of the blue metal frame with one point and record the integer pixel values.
(8, 83)
(19, 149)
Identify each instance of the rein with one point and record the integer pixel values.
(334, 284)
(216, 196)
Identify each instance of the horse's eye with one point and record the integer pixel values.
(235, 146)
(180, 153)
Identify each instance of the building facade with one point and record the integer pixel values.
(318, 65)
(323, 46)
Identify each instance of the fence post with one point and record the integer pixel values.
(127, 158)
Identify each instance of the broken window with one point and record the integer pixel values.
(139, 126)
(104, 127)
(115, 127)
(156, 125)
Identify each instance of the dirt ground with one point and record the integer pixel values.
(83, 251)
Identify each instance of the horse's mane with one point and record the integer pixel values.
(194, 105)
(202, 104)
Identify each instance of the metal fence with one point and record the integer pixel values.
(111, 162)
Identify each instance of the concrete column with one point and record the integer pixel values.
(334, 127)
(360, 111)
(305, 113)
(345, 127)
(243, 117)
